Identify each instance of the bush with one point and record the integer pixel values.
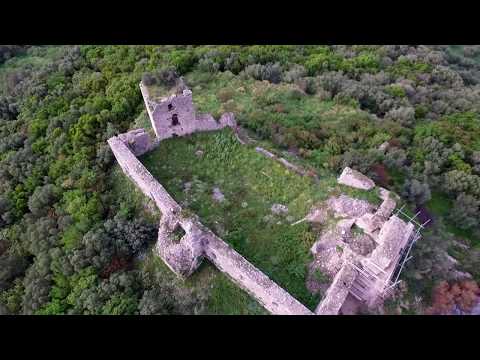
(208, 65)
(148, 79)
(42, 199)
(225, 94)
(448, 297)
(465, 212)
(270, 72)
(405, 115)
(416, 192)
(295, 73)
(396, 91)
(325, 60)
(167, 77)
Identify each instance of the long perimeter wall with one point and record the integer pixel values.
(200, 242)
(176, 116)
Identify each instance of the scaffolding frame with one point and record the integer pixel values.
(367, 277)
(405, 253)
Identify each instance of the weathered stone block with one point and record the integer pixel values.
(337, 292)
(355, 179)
(392, 238)
(345, 206)
(137, 140)
(369, 222)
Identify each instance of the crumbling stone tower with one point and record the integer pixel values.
(176, 116)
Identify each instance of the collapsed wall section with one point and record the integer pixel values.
(137, 140)
(337, 292)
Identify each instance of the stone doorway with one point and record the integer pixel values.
(175, 121)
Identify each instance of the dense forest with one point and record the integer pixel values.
(71, 242)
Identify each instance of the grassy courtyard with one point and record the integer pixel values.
(191, 167)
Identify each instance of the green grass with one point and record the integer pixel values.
(371, 196)
(244, 176)
(227, 299)
(251, 184)
(439, 204)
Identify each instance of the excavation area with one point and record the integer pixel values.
(249, 200)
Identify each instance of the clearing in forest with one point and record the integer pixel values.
(249, 200)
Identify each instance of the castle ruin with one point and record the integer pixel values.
(183, 241)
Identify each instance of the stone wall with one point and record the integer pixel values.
(392, 238)
(149, 105)
(274, 298)
(147, 184)
(183, 241)
(184, 255)
(137, 140)
(337, 292)
(176, 116)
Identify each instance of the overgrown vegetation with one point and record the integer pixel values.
(251, 185)
(72, 239)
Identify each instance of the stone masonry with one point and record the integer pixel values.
(184, 254)
(369, 256)
(183, 241)
(355, 179)
(176, 116)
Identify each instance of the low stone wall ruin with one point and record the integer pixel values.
(337, 292)
(296, 169)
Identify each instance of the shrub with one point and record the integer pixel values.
(295, 73)
(465, 212)
(396, 91)
(182, 60)
(167, 77)
(208, 65)
(270, 72)
(416, 192)
(148, 79)
(225, 94)
(405, 115)
(447, 297)
(325, 60)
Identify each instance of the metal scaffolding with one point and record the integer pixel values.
(370, 276)
(405, 253)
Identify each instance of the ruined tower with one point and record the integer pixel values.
(173, 115)
(176, 116)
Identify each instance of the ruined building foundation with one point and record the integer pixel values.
(176, 116)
